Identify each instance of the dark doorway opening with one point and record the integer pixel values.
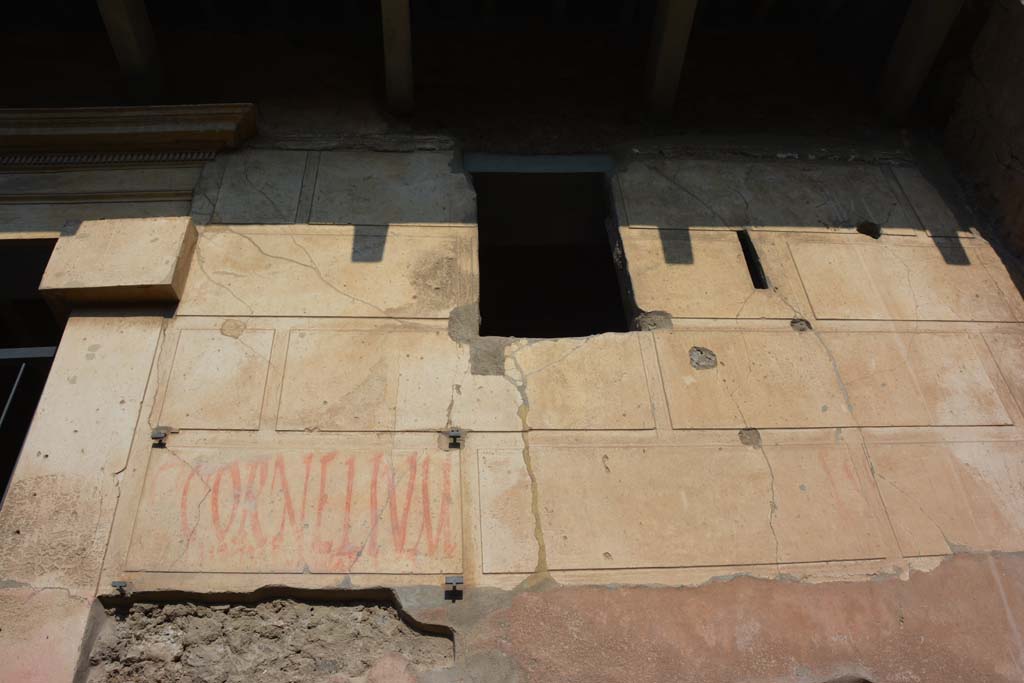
(29, 334)
(546, 265)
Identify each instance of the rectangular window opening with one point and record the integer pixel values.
(754, 267)
(29, 334)
(546, 263)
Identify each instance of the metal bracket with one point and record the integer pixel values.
(160, 434)
(453, 588)
(455, 436)
(121, 587)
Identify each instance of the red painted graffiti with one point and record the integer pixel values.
(333, 511)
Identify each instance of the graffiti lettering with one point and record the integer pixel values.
(325, 511)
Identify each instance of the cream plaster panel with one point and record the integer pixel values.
(218, 378)
(763, 380)
(704, 275)
(710, 506)
(369, 380)
(950, 497)
(1008, 350)
(596, 382)
(887, 281)
(332, 271)
(918, 379)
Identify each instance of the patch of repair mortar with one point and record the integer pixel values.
(134, 645)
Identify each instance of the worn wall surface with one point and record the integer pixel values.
(808, 482)
(986, 132)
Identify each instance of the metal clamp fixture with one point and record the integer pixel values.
(455, 436)
(121, 587)
(159, 436)
(453, 588)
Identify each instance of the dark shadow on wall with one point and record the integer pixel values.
(368, 243)
(694, 192)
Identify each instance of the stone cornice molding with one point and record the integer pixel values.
(193, 128)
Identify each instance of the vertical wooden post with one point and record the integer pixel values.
(920, 38)
(131, 36)
(672, 24)
(397, 54)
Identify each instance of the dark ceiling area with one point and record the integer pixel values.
(546, 70)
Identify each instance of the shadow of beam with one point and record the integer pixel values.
(676, 246)
(368, 243)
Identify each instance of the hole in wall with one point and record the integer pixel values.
(546, 257)
(753, 260)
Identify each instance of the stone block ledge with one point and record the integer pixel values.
(122, 262)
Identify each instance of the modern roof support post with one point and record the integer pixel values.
(131, 36)
(397, 54)
(920, 38)
(672, 24)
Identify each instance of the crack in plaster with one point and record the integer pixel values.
(259, 189)
(9, 584)
(772, 504)
(541, 573)
(199, 505)
(218, 283)
(953, 547)
(691, 193)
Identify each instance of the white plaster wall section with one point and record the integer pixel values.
(715, 506)
(713, 281)
(760, 379)
(218, 378)
(597, 382)
(955, 381)
(1007, 350)
(372, 380)
(507, 540)
(418, 273)
(916, 379)
(952, 497)
(774, 379)
(891, 280)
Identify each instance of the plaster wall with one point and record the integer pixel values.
(861, 467)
